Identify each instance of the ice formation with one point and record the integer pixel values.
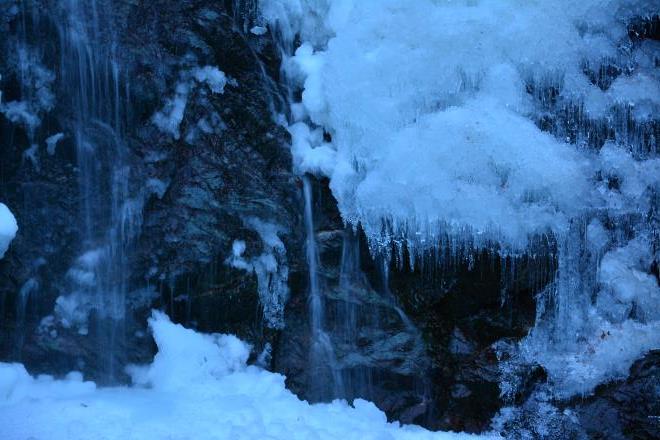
(169, 118)
(435, 119)
(8, 228)
(415, 106)
(52, 141)
(198, 386)
(270, 268)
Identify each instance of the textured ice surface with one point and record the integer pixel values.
(429, 111)
(198, 386)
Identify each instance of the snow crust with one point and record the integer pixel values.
(8, 228)
(198, 386)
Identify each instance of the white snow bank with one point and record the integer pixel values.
(8, 228)
(186, 359)
(200, 387)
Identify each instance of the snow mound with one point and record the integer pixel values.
(186, 358)
(8, 228)
(199, 386)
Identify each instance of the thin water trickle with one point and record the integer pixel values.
(325, 376)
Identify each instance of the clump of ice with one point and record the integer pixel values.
(198, 386)
(169, 118)
(8, 228)
(604, 354)
(52, 141)
(212, 76)
(270, 268)
(36, 81)
(627, 289)
(592, 342)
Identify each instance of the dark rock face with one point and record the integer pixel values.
(626, 409)
(379, 353)
(422, 344)
(463, 304)
(198, 193)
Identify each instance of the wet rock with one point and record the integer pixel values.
(627, 409)
(197, 193)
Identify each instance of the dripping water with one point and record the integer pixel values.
(324, 374)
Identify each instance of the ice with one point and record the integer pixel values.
(198, 386)
(8, 228)
(310, 153)
(258, 30)
(432, 131)
(427, 116)
(73, 311)
(19, 112)
(587, 342)
(270, 267)
(52, 141)
(606, 354)
(626, 285)
(157, 187)
(212, 76)
(169, 118)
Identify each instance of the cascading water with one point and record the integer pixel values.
(337, 366)
(325, 377)
(110, 217)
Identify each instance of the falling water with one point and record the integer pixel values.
(110, 219)
(325, 378)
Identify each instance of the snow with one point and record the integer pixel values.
(198, 386)
(430, 121)
(424, 116)
(8, 228)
